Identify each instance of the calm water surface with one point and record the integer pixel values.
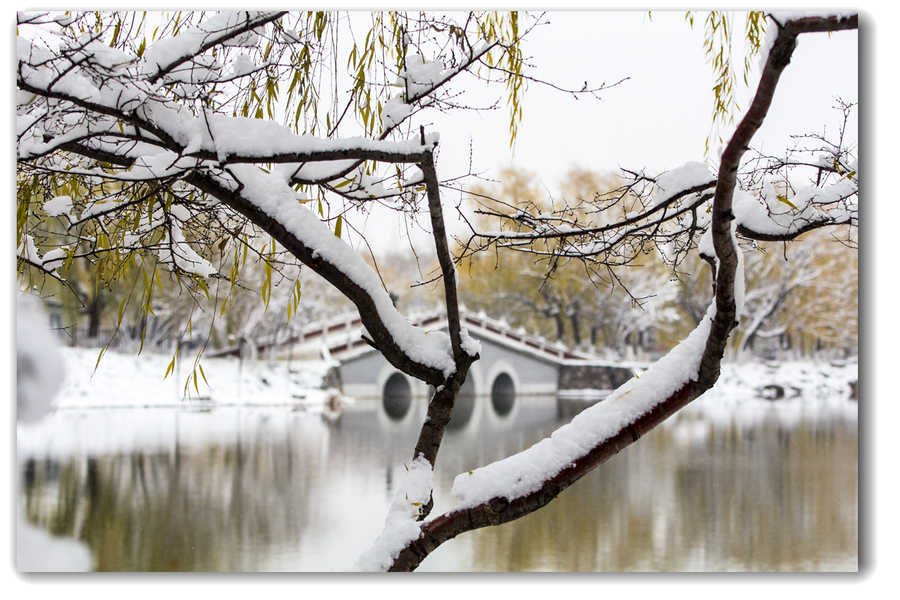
(765, 487)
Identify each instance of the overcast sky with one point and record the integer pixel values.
(660, 116)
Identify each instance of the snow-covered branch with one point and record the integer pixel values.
(268, 201)
(238, 28)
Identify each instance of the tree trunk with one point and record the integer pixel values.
(95, 307)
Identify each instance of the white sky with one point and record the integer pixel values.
(658, 118)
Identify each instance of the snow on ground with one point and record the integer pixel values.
(812, 391)
(87, 418)
(128, 380)
(801, 378)
(242, 391)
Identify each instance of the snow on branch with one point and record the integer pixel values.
(102, 116)
(654, 211)
(238, 28)
(48, 263)
(526, 472)
(671, 210)
(774, 217)
(401, 526)
(269, 201)
(784, 209)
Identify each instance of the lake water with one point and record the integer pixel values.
(760, 487)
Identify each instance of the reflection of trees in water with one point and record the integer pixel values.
(770, 498)
(691, 495)
(207, 509)
(257, 489)
(464, 407)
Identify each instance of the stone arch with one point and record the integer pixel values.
(503, 409)
(396, 396)
(503, 394)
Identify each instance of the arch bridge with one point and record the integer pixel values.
(513, 364)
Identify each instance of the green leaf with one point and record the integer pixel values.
(115, 36)
(337, 226)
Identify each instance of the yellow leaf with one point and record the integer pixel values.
(786, 201)
(121, 310)
(99, 356)
(171, 367)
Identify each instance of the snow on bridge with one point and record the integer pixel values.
(512, 362)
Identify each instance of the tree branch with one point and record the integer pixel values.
(334, 274)
(211, 41)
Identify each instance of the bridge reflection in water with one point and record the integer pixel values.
(472, 412)
(245, 489)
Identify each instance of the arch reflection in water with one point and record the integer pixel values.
(464, 407)
(503, 394)
(397, 396)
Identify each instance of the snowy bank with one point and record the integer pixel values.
(741, 397)
(128, 380)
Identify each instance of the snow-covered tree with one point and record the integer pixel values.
(167, 152)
